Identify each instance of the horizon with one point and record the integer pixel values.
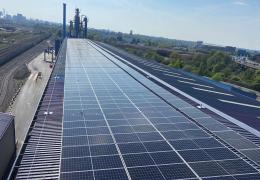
(220, 22)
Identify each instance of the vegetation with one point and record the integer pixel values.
(216, 65)
(22, 72)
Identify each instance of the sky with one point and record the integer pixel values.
(223, 22)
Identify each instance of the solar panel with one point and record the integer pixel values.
(117, 124)
(148, 172)
(176, 171)
(209, 168)
(130, 131)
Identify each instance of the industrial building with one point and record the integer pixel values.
(105, 116)
(101, 119)
(7, 143)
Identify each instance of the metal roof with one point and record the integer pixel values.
(114, 123)
(5, 120)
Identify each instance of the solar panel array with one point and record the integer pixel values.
(240, 141)
(119, 125)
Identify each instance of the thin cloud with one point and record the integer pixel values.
(240, 3)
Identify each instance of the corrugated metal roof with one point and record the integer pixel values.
(5, 120)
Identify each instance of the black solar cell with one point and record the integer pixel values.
(98, 130)
(99, 123)
(74, 132)
(166, 127)
(248, 176)
(99, 150)
(74, 141)
(106, 162)
(204, 169)
(131, 148)
(220, 178)
(137, 121)
(176, 171)
(75, 151)
(73, 124)
(179, 119)
(151, 136)
(207, 143)
(118, 122)
(145, 173)
(184, 144)
(221, 153)
(253, 154)
(159, 120)
(237, 166)
(115, 174)
(195, 155)
(77, 175)
(168, 157)
(123, 138)
(76, 164)
(143, 159)
(241, 144)
(143, 128)
(122, 129)
(185, 126)
(174, 135)
(157, 146)
(100, 139)
(196, 133)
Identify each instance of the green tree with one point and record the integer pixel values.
(176, 63)
(218, 77)
(174, 55)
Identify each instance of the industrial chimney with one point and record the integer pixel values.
(85, 28)
(64, 20)
(77, 23)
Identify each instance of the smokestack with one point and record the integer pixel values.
(77, 23)
(64, 20)
(85, 27)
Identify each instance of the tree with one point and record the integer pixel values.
(203, 68)
(176, 63)
(218, 77)
(174, 55)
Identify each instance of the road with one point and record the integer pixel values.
(242, 108)
(248, 63)
(26, 103)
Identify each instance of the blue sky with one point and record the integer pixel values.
(225, 22)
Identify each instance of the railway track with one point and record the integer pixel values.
(7, 71)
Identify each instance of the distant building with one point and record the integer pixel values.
(8, 17)
(19, 18)
(230, 49)
(131, 32)
(242, 52)
(256, 58)
(212, 47)
(199, 44)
